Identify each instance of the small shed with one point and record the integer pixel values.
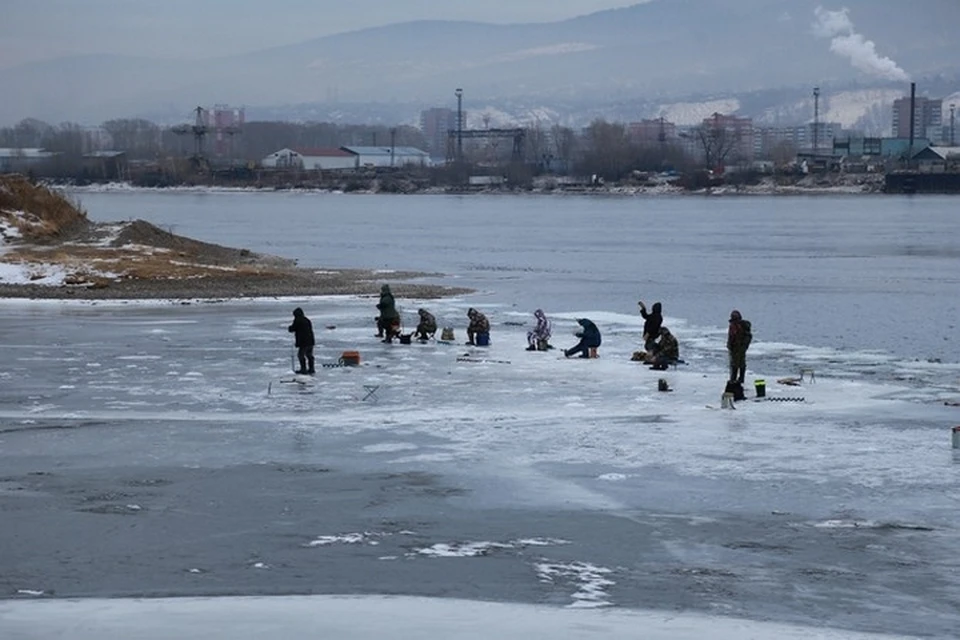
(937, 159)
(106, 165)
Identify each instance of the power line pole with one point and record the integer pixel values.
(816, 121)
(953, 111)
(459, 94)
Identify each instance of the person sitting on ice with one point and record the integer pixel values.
(427, 326)
(539, 338)
(589, 339)
(478, 332)
(666, 351)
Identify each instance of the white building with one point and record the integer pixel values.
(389, 156)
(310, 159)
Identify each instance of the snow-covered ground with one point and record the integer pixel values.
(295, 618)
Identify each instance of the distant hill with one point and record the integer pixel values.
(654, 51)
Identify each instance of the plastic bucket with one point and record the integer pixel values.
(406, 338)
(482, 339)
(350, 358)
(956, 437)
(761, 387)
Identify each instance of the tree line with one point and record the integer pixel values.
(604, 149)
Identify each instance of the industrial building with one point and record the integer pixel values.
(435, 123)
(389, 156)
(310, 159)
(927, 118)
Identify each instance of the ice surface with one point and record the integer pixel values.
(568, 482)
(373, 617)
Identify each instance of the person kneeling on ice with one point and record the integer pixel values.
(478, 332)
(302, 329)
(427, 326)
(539, 338)
(666, 350)
(589, 339)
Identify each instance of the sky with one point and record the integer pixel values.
(41, 29)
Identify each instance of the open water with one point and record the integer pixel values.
(850, 272)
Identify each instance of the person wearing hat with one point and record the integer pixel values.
(739, 337)
(388, 323)
(302, 330)
(427, 326)
(652, 322)
(667, 351)
(478, 331)
(589, 339)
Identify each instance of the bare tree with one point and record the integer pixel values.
(565, 146)
(716, 140)
(608, 151)
(783, 153)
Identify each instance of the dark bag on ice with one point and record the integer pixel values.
(736, 389)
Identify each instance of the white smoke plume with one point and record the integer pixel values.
(845, 41)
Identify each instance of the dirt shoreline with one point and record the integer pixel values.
(290, 283)
(49, 249)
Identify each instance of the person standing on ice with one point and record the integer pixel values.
(388, 324)
(539, 338)
(478, 331)
(302, 329)
(739, 337)
(589, 339)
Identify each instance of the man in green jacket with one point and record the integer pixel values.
(388, 324)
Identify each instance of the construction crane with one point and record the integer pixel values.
(200, 129)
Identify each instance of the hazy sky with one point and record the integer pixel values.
(40, 29)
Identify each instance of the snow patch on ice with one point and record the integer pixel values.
(389, 447)
(590, 580)
(366, 537)
(476, 549)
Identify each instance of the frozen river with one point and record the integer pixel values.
(162, 449)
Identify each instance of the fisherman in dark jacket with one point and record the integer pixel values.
(651, 325)
(739, 337)
(589, 339)
(388, 324)
(427, 326)
(478, 331)
(302, 329)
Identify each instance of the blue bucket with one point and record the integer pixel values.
(482, 340)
